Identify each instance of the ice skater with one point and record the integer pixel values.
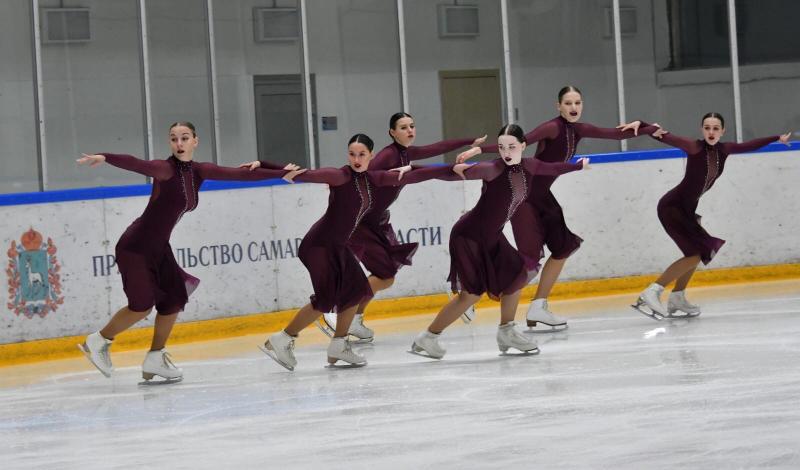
(337, 278)
(378, 248)
(676, 211)
(150, 275)
(540, 220)
(481, 258)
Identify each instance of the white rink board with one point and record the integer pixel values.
(612, 206)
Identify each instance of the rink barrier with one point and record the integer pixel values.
(110, 192)
(264, 323)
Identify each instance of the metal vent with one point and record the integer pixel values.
(66, 25)
(458, 21)
(275, 24)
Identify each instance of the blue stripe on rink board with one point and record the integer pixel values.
(109, 192)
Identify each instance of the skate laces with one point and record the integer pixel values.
(167, 359)
(104, 355)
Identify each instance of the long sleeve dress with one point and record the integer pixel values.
(336, 275)
(676, 209)
(481, 258)
(150, 274)
(380, 251)
(540, 221)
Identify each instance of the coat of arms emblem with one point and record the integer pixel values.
(34, 282)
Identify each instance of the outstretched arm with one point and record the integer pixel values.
(548, 130)
(158, 169)
(211, 171)
(439, 148)
(627, 131)
(410, 175)
(329, 176)
(687, 145)
(538, 167)
(750, 145)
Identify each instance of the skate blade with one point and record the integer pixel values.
(543, 327)
(151, 383)
(422, 353)
(644, 310)
(679, 314)
(532, 352)
(358, 340)
(272, 355)
(88, 355)
(346, 365)
(323, 327)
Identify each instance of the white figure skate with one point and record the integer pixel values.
(678, 303)
(539, 312)
(159, 363)
(358, 329)
(340, 349)
(649, 302)
(509, 337)
(280, 347)
(427, 343)
(95, 348)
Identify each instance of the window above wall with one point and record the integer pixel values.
(698, 33)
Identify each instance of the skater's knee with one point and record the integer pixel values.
(140, 311)
(468, 298)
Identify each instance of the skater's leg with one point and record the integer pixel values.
(377, 284)
(683, 281)
(679, 268)
(450, 312)
(121, 321)
(304, 317)
(508, 307)
(343, 321)
(162, 330)
(507, 335)
(549, 276)
(339, 348)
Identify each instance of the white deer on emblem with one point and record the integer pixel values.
(32, 276)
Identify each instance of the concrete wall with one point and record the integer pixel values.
(612, 207)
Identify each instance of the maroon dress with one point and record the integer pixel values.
(338, 280)
(540, 221)
(481, 258)
(150, 274)
(380, 251)
(676, 209)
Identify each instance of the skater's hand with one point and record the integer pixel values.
(460, 168)
(631, 125)
(289, 177)
(256, 164)
(92, 160)
(784, 139)
(659, 133)
(478, 142)
(585, 163)
(291, 167)
(467, 154)
(401, 171)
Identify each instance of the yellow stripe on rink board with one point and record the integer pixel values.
(59, 348)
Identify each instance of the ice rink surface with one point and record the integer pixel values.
(616, 390)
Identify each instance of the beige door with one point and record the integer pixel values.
(471, 106)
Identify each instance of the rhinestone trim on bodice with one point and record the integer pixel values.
(712, 167)
(366, 202)
(186, 167)
(570, 137)
(518, 186)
